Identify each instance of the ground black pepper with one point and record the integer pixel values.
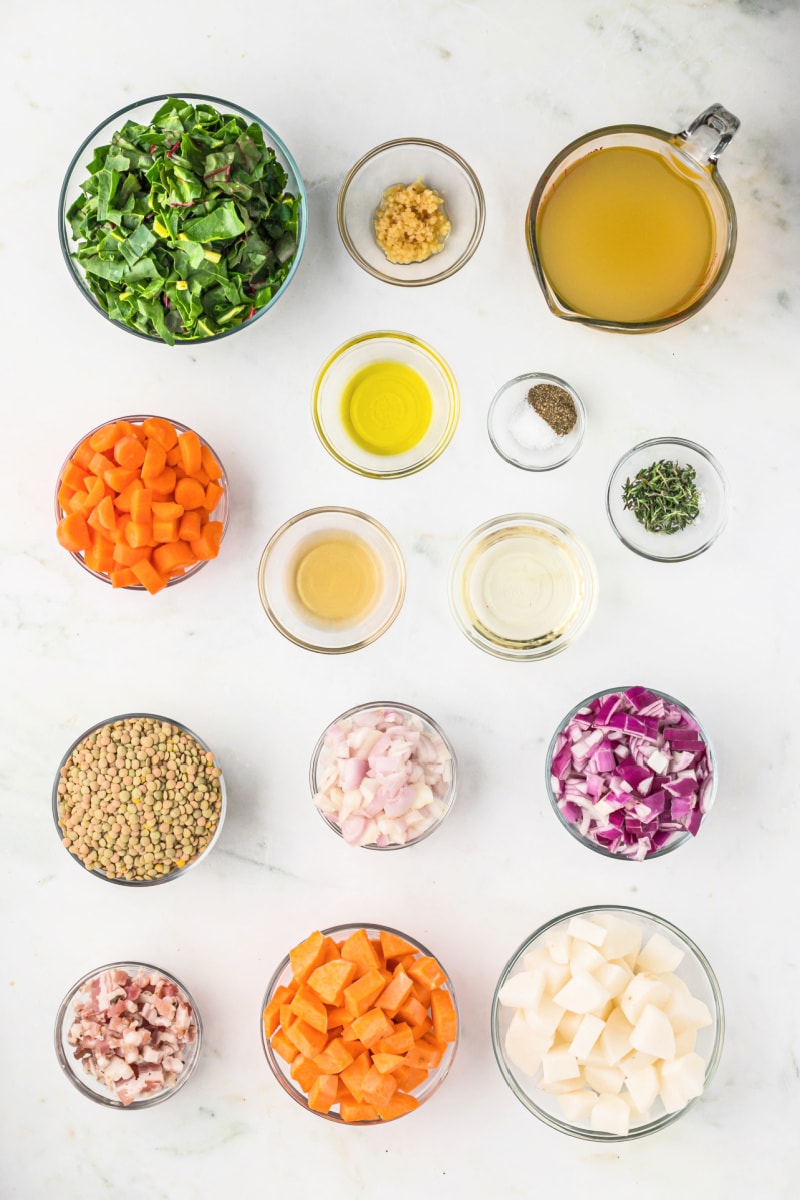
(554, 405)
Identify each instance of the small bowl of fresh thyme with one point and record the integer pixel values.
(667, 499)
(536, 422)
(182, 218)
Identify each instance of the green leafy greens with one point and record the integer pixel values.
(184, 227)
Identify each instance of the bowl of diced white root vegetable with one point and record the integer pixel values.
(607, 1023)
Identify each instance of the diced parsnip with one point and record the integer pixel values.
(568, 1026)
(584, 957)
(577, 1106)
(623, 937)
(674, 982)
(587, 931)
(685, 1041)
(643, 1088)
(524, 1046)
(557, 942)
(653, 1034)
(687, 1074)
(544, 1018)
(555, 974)
(559, 1064)
(587, 1034)
(582, 994)
(635, 1061)
(561, 1086)
(615, 1040)
(523, 990)
(614, 977)
(687, 1012)
(659, 955)
(604, 1079)
(611, 1114)
(671, 1095)
(642, 990)
(536, 959)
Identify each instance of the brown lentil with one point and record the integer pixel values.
(554, 405)
(138, 831)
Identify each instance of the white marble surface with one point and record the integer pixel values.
(506, 84)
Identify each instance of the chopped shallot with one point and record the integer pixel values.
(632, 771)
(383, 777)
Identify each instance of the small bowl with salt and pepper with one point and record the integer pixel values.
(536, 422)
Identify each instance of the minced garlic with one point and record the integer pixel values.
(410, 223)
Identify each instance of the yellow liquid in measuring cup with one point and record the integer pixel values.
(626, 235)
(387, 408)
(337, 579)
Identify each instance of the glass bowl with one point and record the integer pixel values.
(142, 112)
(281, 1069)
(220, 513)
(438, 776)
(522, 587)
(677, 836)
(359, 432)
(365, 555)
(126, 795)
(710, 482)
(405, 161)
(524, 438)
(695, 972)
(88, 1085)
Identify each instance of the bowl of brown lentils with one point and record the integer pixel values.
(138, 799)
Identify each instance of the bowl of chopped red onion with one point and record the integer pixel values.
(383, 776)
(631, 773)
(128, 1035)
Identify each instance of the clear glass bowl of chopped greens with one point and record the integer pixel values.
(446, 187)
(536, 422)
(182, 218)
(667, 499)
(140, 821)
(89, 1027)
(639, 960)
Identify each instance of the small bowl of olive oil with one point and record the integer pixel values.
(332, 580)
(385, 405)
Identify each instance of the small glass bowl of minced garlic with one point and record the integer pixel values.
(536, 422)
(411, 212)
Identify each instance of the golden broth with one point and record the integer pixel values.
(336, 579)
(626, 234)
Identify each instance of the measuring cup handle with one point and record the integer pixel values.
(709, 134)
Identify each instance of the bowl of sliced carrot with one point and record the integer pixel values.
(359, 1024)
(142, 503)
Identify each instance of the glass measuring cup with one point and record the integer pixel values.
(631, 228)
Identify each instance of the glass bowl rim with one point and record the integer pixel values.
(590, 1135)
(579, 431)
(717, 472)
(473, 182)
(331, 931)
(453, 393)
(399, 706)
(216, 101)
(139, 883)
(396, 554)
(77, 1080)
(682, 838)
(576, 543)
(133, 418)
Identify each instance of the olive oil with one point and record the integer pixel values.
(627, 234)
(387, 408)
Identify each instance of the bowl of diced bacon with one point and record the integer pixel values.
(128, 1035)
(631, 773)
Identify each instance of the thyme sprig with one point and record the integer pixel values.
(663, 497)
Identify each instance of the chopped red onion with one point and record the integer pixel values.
(632, 772)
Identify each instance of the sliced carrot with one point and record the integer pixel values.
(190, 493)
(73, 532)
(174, 457)
(106, 513)
(191, 451)
(118, 478)
(128, 429)
(165, 531)
(155, 459)
(162, 431)
(78, 502)
(74, 476)
(100, 555)
(66, 493)
(206, 547)
(427, 971)
(163, 485)
(443, 1014)
(330, 980)
(210, 465)
(167, 510)
(100, 464)
(129, 452)
(322, 1093)
(148, 576)
(104, 438)
(124, 501)
(122, 577)
(84, 454)
(172, 554)
(127, 556)
(190, 527)
(138, 535)
(141, 504)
